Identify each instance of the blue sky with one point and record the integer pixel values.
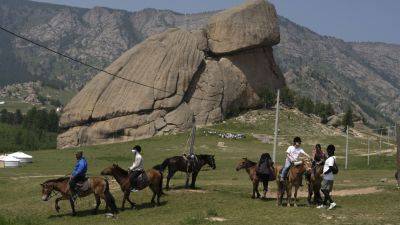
(351, 20)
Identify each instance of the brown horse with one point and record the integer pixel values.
(179, 163)
(295, 176)
(155, 180)
(251, 169)
(97, 186)
(314, 185)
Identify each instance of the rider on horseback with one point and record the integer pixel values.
(78, 174)
(137, 167)
(292, 155)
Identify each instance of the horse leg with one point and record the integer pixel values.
(194, 177)
(289, 195)
(97, 197)
(265, 190)
(170, 175)
(296, 188)
(71, 201)
(310, 193)
(187, 180)
(56, 206)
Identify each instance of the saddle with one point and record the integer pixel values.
(142, 181)
(83, 186)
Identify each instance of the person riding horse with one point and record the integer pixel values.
(78, 174)
(137, 167)
(318, 157)
(292, 155)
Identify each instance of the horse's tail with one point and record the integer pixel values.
(164, 165)
(110, 198)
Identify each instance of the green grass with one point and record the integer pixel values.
(221, 193)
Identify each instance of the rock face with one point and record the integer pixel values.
(254, 23)
(174, 76)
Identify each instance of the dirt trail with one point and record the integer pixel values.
(344, 192)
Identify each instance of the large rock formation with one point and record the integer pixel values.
(172, 77)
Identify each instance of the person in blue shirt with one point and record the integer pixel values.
(78, 174)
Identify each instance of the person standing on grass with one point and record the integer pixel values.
(327, 184)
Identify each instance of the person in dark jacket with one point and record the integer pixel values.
(264, 171)
(78, 174)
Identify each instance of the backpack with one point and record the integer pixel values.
(335, 168)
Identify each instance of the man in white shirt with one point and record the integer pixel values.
(327, 182)
(292, 155)
(137, 167)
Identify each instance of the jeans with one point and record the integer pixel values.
(285, 169)
(73, 182)
(133, 177)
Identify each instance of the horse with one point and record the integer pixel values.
(155, 180)
(96, 185)
(251, 169)
(314, 185)
(180, 163)
(295, 176)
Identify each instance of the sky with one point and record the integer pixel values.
(351, 20)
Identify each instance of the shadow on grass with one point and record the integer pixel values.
(148, 205)
(83, 213)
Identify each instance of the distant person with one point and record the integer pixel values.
(78, 174)
(137, 167)
(292, 155)
(265, 171)
(327, 183)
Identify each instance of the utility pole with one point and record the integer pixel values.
(368, 153)
(347, 147)
(380, 142)
(398, 152)
(276, 126)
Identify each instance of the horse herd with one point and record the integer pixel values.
(100, 188)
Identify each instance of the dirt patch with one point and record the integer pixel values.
(216, 219)
(345, 192)
(187, 191)
(28, 177)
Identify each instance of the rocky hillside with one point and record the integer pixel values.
(204, 75)
(365, 75)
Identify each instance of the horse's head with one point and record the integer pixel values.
(47, 189)
(244, 163)
(210, 160)
(306, 163)
(108, 171)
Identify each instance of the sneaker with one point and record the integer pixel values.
(332, 205)
(134, 190)
(320, 207)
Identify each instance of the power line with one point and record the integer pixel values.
(96, 68)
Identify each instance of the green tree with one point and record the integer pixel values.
(53, 121)
(269, 97)
(288, 97)
(18, 117)
(348, 118)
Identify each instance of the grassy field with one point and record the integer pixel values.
(222, 193)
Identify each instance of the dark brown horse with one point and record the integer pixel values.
(251, 169)
(179, 163)
(295, 176)
(314, 185)
(155, 180)
(96, 185)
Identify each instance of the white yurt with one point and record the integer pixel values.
(23, 158)
(9, 161)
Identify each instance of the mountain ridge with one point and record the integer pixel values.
(343, 73)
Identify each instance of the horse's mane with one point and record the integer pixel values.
(122, 171)
(57, 180)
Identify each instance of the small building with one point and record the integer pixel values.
(9, 162)
(22, 157)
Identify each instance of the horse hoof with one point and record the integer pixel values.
(94, 212)
(73, 214)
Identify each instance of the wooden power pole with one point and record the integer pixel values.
(276, 126)
(398, 151)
